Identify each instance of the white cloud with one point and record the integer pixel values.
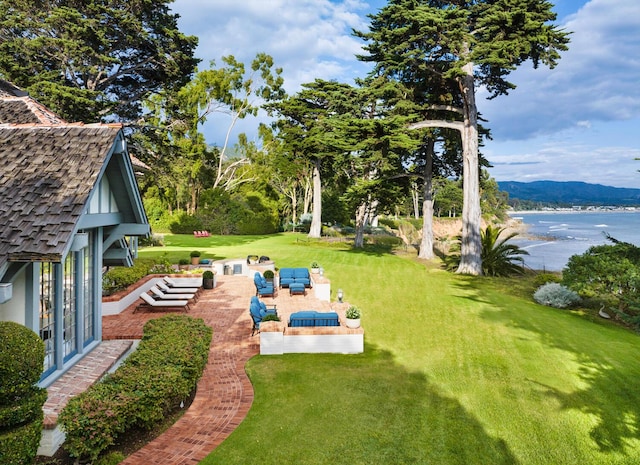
(596, 79)
(308, 38)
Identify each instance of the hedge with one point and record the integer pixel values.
(21, 400)
(21, 360)
(150, 384)
(19, 446)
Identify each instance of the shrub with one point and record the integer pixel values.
(21, 360)
(556, 295)
(608, 273)
(268, 274)
(208, 274)
(121, 277)
(21, 401)
(185, 224)
(151, 383)
(544, 278)
(19, 446)
(183, 261)
(195, 253)
(270, 317)
(353, 312)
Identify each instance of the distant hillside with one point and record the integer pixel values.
(569, 193)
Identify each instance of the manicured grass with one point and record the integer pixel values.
(456, 370)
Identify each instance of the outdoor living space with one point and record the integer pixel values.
(224, 382)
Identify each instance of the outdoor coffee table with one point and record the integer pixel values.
(297, 288)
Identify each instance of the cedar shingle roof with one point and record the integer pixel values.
(16, 107)
(46, 175)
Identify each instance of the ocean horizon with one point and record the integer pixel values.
(552, 237)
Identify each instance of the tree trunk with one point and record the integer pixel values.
(426, 244)
(315, 230)
(361, 216)
(415, 199)
(471, 247)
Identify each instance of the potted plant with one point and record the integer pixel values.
(195, 257)
(268, 275)
(183, 264)
(208, 280)
(352, 317)
(315, 267)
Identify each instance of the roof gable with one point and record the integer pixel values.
(46, 177)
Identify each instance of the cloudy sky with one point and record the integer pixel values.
(577, 122)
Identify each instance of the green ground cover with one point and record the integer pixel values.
(456, 370)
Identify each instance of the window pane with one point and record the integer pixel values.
(47, 315)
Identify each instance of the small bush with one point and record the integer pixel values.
(556, 295)
(21, 401)
(21, 361)
(150, 384)
(19, 446)
(270, 317)
(544, 278)
(268, 274)
(353, 312)
(208, 274)
(119, 278)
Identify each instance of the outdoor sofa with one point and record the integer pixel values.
(313, 318)
(294, 275)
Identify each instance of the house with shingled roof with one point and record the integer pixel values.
(70, 207)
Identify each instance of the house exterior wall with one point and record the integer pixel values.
(13, 310)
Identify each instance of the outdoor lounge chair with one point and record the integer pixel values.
(182, 282)
(150, 303)
(177, 290)
(159, 294)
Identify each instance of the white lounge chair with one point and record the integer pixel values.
(183, 282)
(150, 303)
(159, 294)
(177, 290)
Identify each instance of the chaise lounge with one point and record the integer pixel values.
(152, 304)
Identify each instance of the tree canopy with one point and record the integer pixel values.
(94, 60)
(445, 50)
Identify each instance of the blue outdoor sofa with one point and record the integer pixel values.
(294, 275)
(313, 318)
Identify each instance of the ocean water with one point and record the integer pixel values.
(553, 237)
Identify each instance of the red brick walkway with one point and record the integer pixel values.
(224, 393)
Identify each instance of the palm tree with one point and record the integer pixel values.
(498, 257)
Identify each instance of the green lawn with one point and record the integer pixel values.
(456, 370)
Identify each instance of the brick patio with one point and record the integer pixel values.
(224, 393)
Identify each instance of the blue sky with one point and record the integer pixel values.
(577, 122)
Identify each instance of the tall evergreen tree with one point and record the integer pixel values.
(307, 126)
(92, 60)
(469, 43)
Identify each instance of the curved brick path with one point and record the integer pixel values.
(224, 393)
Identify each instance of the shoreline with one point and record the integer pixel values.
(511, 213)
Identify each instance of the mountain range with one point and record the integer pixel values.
(570, 193)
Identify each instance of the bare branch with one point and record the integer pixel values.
(457, 125)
